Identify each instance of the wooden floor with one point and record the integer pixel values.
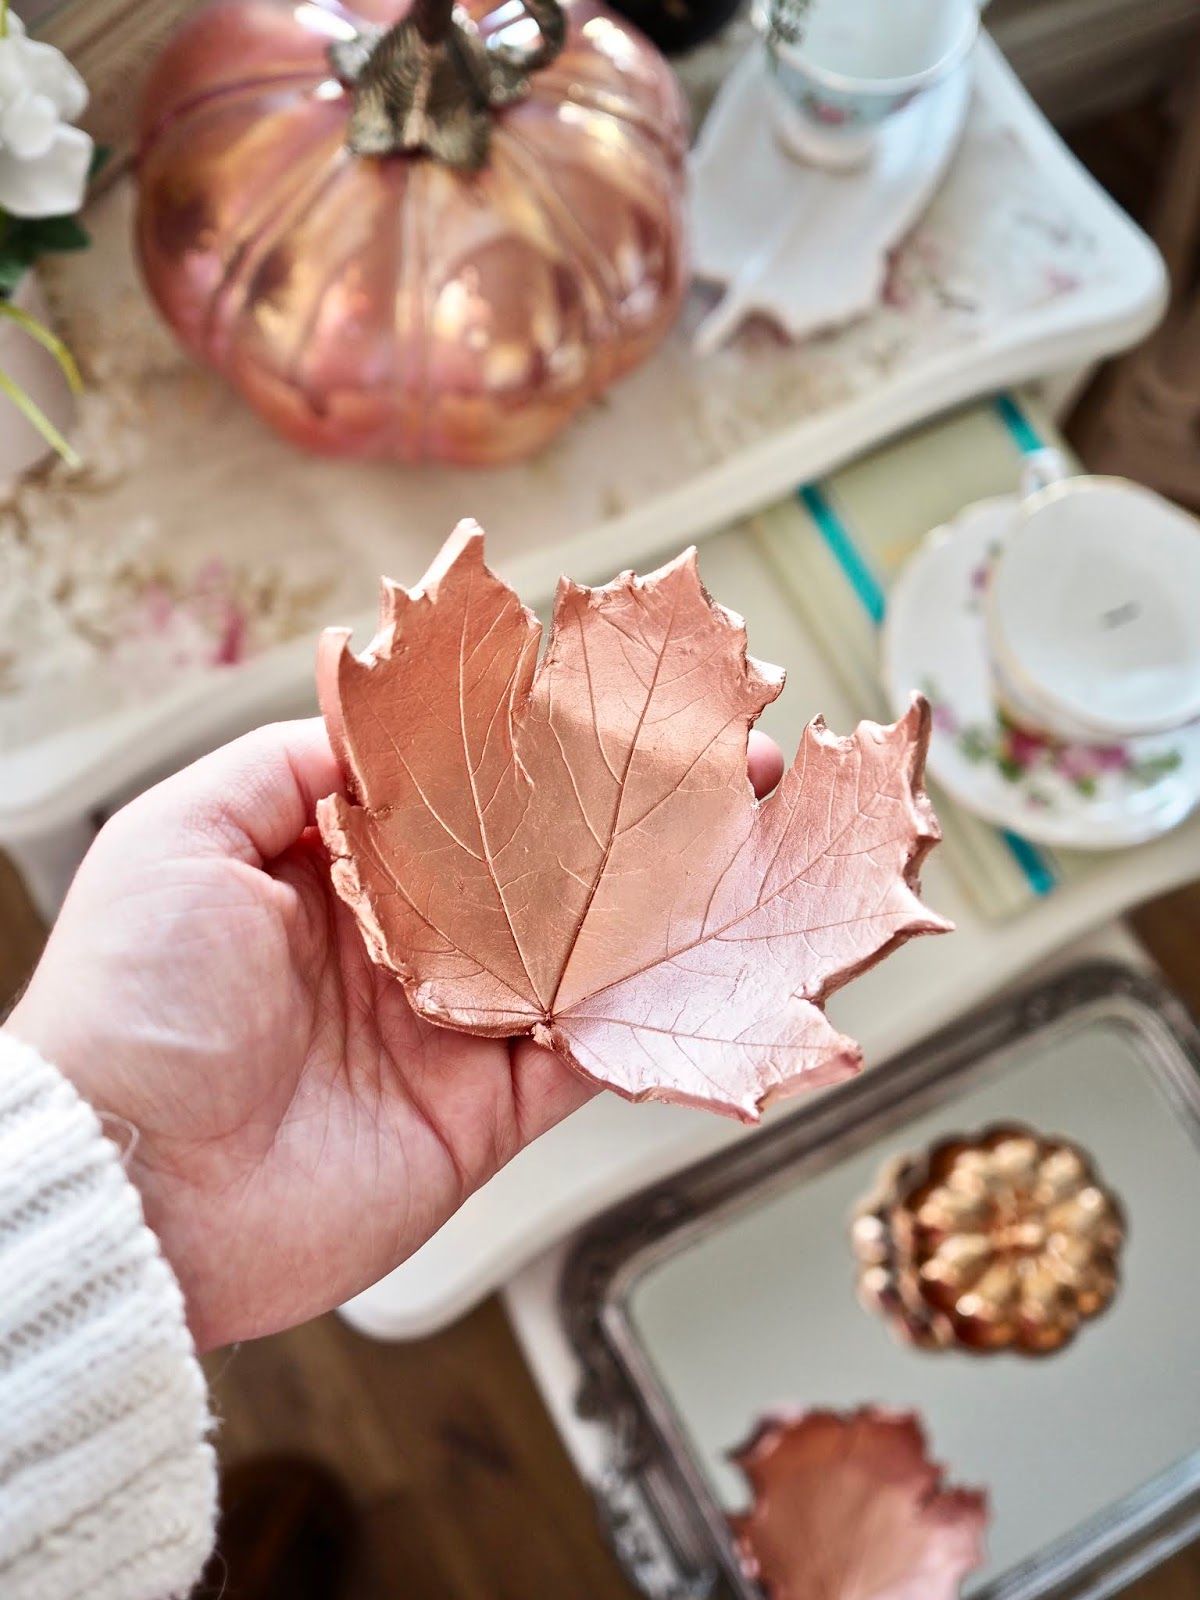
(467, 1491)
(464, 1490)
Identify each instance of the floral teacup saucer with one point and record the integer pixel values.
(1076, 796)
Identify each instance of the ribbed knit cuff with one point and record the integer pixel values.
(107, 1478)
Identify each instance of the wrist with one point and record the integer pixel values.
(108, 1476)
(90, 1072)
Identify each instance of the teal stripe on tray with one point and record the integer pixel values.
(1038, 872)
(1025, 435)
(1027, 439)
(857, 571)
(855, 566)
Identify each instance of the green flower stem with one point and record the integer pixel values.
(3, 19)
(34, 414)
(24, 404)
(49, 341)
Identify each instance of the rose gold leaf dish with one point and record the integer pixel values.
(572, 850)
(1004, 1241)
(848, 1506)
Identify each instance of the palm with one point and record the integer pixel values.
(278, 1075)
(299, 1130)
(403, 1118)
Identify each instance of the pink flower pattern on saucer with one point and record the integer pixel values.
(1055, 792)
(1019, 754)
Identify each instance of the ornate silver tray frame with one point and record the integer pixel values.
(661, 1512)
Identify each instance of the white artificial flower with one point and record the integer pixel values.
(44, 161)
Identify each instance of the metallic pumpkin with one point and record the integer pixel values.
(450, 307)
(1002, 1241)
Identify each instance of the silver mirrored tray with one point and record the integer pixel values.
(728, 1292)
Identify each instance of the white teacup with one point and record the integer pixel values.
(851, 64)
(1093, 611)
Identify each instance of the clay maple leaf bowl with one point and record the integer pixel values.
(570, 849)
(1002, 1241)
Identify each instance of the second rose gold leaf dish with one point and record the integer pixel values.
(571, 849)
(848, 1506)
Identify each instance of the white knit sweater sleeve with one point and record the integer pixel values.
(107, 1478)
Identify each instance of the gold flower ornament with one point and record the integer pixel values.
(1004, 1241)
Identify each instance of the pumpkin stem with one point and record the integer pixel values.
(431, 82)
(431, 18)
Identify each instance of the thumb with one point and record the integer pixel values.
(251, 799)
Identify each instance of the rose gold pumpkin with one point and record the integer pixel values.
(393, 306)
